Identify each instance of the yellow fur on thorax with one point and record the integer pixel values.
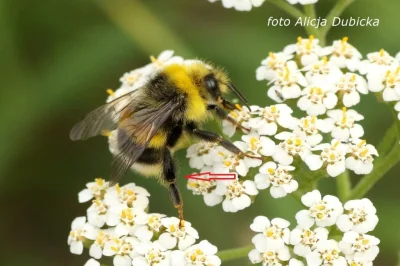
(196, 106)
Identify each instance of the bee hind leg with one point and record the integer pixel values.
(169, 176)
(176, 199)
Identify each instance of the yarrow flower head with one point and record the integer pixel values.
(361, 157)
(307, 50)
(359, 246)
(241, 116)
(201, 154)
(196, 255)
(237, 194)
(94, 189)
(377, 61)
(359, 216)
(278, 178)
(269, 255)
(310, 128)
(322, 71)
(322, 211)
(345, 55)
(387, 81)
(315, 100)
(80, 232)
(287, 84)
(344, 124)
(291, 146)
(267, 120)
(326, 253)
(349, 86)
(305, 240)
(152, 253)
(275, 232)
(332, 157)
(271, 65)
(175, 235)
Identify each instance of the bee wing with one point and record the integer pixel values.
(136, 132)
(104, 118)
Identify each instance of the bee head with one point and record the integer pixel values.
(218, 83)
(214, 81)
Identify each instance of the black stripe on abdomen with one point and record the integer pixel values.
(151, 156)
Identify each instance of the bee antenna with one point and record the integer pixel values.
(238, 94)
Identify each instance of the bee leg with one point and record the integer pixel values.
(176, 199)
(223, 115)
(213, 137)
(169, 176)
(226, 104)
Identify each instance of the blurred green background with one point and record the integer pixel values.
(60, 56)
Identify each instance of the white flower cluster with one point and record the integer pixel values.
(118, 225)
(298, 140)
(313, 239)
(240, 5)
(322, 78)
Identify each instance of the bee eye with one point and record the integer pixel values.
(211, 84)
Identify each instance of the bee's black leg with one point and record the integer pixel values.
(169, 176)
(223, 115)
(226, 104)
(213, 137)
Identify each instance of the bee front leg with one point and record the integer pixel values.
(213, 137)
(226, 104)
(223, 115)
(169, 176)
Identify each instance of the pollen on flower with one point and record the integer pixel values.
(106, 133)
(380, 58)
(305, 45)
(110, 92)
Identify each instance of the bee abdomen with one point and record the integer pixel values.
(151, 156)
(149, 163)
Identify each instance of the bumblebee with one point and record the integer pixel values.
(153, 121)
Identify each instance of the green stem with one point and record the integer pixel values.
(343, 185)
(234, 253)
(387, 141)
(288, 8)
(336, 11)
(309, 11)
(129, 16)
(381, 165)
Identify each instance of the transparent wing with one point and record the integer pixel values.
(136, 132)
(104, 118)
